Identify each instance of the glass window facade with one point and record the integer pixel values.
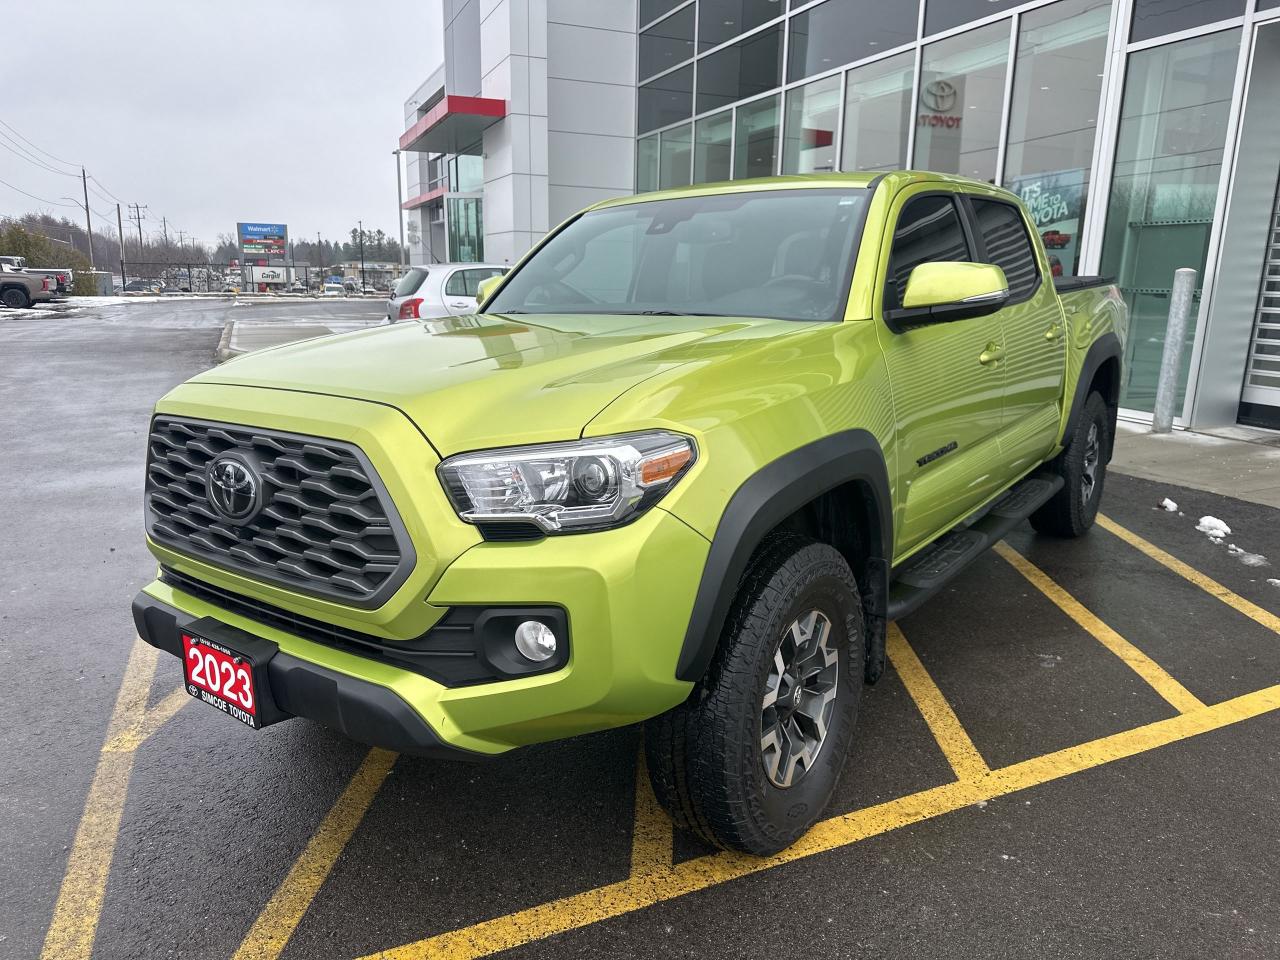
(877, 114)
(961, 100)
(466, 230)
(664, 101)
(713, 148)
(675, 157)
(1164, 191)
(1155, 18)
(666, 44)
(842, 31)
(942, 15)
(722, 20)
(744, 69)
(755, 152)
(647, 163)
(1053, 120)
(813, 112)
(1008, 91)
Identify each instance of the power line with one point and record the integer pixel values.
(45, 152)
(53, 203)
(104, 187)
(28, 156)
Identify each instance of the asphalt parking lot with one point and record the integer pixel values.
(1075, 753)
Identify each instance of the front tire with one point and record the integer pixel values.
(751, 759)
(1083, 468)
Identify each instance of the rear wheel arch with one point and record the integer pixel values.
(834, 490)
(1101, 372)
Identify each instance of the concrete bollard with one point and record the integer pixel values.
(1180, 303)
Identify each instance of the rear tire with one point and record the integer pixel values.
(16, 298)
(1083, 468)
(751, 759)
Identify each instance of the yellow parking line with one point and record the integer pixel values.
(280, 917)
(1207, 584)
(1175, 693)
(602, 903)
(75, 915)
(956, 745)
(148, 723)
(651, 835)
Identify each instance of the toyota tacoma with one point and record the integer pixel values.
(683, 466)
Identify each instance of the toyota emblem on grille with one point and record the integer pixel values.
(233, 488)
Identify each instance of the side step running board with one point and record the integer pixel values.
(933, 567)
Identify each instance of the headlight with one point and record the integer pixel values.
(567, 487)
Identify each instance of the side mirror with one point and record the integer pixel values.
(485, 289)
(944, 291)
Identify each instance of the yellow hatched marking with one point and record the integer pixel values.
(75, 915)
(652, 835)
(956, 745)
(1155, 675)
(636, 893)
(280, 917)
(1187, 572)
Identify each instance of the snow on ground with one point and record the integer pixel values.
(1168, 505)
(1213, 527)
(1273, 581)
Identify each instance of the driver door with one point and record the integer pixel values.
(947, 380)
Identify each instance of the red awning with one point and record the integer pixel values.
(423, 199)
(454, 125)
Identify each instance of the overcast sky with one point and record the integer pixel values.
(212, 113)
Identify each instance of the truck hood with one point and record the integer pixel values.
(491, 380)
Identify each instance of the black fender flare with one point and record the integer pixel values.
(1106, 347)
(763, 501)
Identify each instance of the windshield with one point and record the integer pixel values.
(784, 254)
(410, 282)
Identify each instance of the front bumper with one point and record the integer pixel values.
(356, 708)
(627, 594)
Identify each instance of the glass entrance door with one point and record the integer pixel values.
(1260, 398)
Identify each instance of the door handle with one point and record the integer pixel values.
(1054, 331)
(992, 355)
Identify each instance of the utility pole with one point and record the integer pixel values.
(400, 207)
(164, 227)
(88, 223)
(181, 235)
(360, 224)
(120, 227)
(136, 216)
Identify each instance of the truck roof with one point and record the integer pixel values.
(855, 179)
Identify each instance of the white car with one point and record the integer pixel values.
(334, 290)
(439, 290)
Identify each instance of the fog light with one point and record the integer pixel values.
(535, 641)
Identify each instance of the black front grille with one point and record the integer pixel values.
(325, 525)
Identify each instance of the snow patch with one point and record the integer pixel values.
(1253, 559)
(1213, 527)
(1273, 581)
(1168, 505)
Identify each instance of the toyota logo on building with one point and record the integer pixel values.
(939, 95)
(233, 489)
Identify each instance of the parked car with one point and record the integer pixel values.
(440, 290)
(687, 477)
(1055, 240)
(142, 286)
(19, 289)
(334, 290)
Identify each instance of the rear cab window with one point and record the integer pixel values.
(1006, 243)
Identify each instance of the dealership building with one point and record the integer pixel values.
(1144, 136)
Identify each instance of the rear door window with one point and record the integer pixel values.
(1007, 244)
(928, 230)
(410, 282)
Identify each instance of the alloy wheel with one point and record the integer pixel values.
(799, 699)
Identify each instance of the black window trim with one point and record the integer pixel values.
(981, 244)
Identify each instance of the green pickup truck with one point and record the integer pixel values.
(683, 466)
